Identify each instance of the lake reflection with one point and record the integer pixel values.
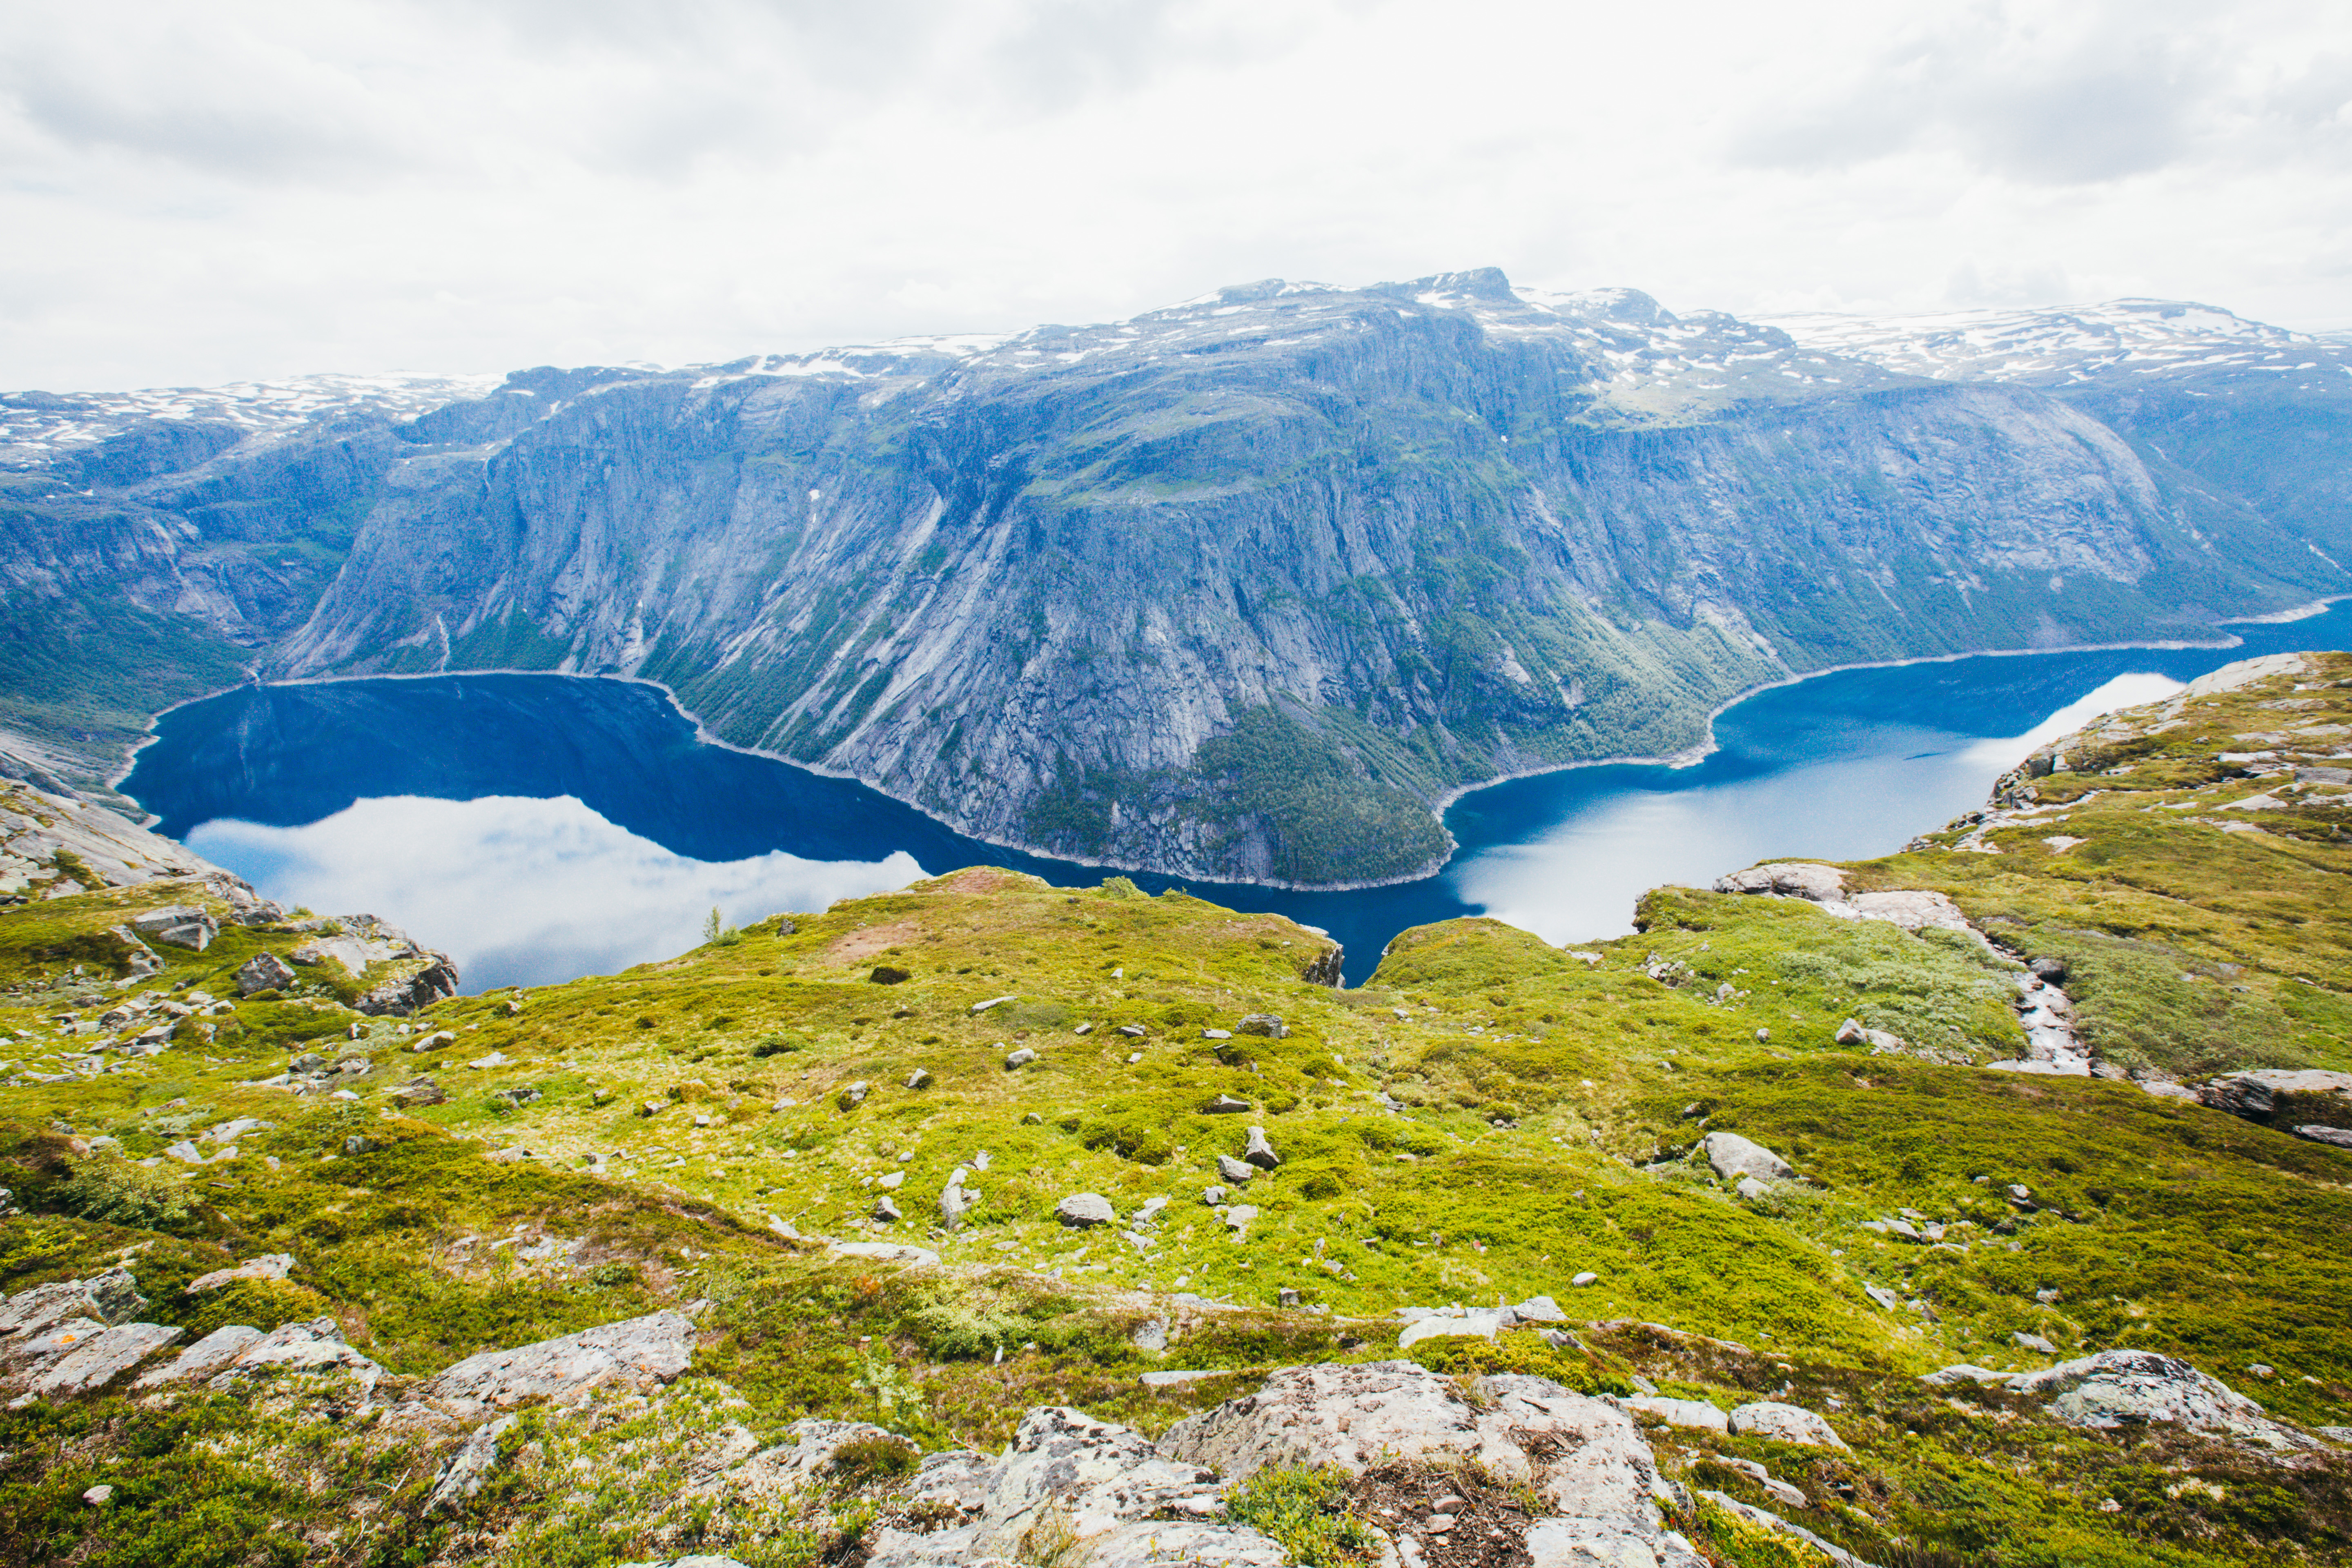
(540, 827)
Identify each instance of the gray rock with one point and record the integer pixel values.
(1582, 1456)
(1212, 1195)
(99, 1496)
(2033, 1343)
(1020, 1059)
(886, 1212)
(886, 1252)
(1947, 1377)
(851, 1098)
(469, 1467)
(215, 1353)
(1788, 879)
(636, 1352)
(1585, 1278)
(1151, 1335)
(1264, 1024)
(1225, 1105)
(1734, 1156)
(108, 1298)
(316, 1347)
(2133, 1388)
(268, 1265)
(1784, 1424)
(177, 925)
(1234, 1170)
(1260, 1153)
(2339, 1136)
(263, 972)
(1694, 1413)
(919, 1079)
(1838, 1557)
(955, 1203)
(1082, 1211)
(99, 1359)
(1752, 1189)
(1539, 1309)
(433, 978)
(1239, 1216)
(1469, 1322)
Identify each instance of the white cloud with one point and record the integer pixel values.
(262, 188)
(525, 892)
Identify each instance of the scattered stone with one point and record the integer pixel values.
(1788, 879)
(1225, 1105)
(268, 1265)
(99, 1496)
(1733, 1156)
(2341, 1137)
(1235, 1170)
(955, 1203)
(2033, 1343)
(637, 1354)
(1212, 1195)
(1020, 1059)
(1150, 1336)
(1838, 1557)
(178, 925)
(888, 975)
(919, 1079)
(1264, 1024)
(1216, 1034)
(853, 1096)
(1965, 1371)
(1260, 1153)
(1587, 1278)
(1132, 1031)
(886, 1212)
(420, 1092)
(1752, 1189)
(264, 972)
(895, 1179)
(1082, 1211)
(1784, 1424)
(1239, 1216)
(433, 1041)
(992, 1002)
(1539, 1309)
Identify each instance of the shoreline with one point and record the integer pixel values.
(1690, 756)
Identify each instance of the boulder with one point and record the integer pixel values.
(107, 1298)
(99, 1359)
(1020, 1059)
(1696, 1413)
(1734, 1156)
(1539, 1309)
(268, 1265)
(1788, 879)
(2339, 1136)
(433, 979)
(1235, 1170)
(263, 972)
(886, 1212)
(1784, 1424)
(1583, 1458)
(215, 1353)
(955, 1203)
(1225, 1105)
(2137, 1389)
(1266, 1025)
(177, 925)
(636, 1352)
(1473, 1322)
(1260, 1153)
(1082, 1211)
(315, 1347)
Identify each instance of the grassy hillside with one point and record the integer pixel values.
(1487, 1119)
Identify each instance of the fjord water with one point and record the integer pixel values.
(542, 826)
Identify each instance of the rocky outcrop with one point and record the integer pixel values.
(637, 1353)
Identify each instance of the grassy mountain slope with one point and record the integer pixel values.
(1487, 1118)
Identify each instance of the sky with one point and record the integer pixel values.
(250, 188)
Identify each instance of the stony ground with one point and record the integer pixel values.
(937, 1158)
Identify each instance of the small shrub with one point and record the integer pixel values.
(1305, 1509)
(864, 1459)
(113, 1191)
(617, 1273)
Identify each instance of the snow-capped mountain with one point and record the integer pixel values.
(2124, 342)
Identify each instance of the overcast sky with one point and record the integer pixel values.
(198, 193)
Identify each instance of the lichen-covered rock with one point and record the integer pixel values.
(268, 1265)
(214, 1354)
(636, 1352)
(1734, 1156)
(99, 1359)
(108, 1298)
(1788, 879)
(316, 1347)
(2131, 1388)
(469, 1467)
(263, 972)
(177, 925)
(1083, 1210)
(1784, 1424)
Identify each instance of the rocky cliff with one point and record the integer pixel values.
(1243, 588)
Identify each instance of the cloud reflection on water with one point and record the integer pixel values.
(522, 891)
(1579, 881)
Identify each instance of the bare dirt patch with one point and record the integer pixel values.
(857, 946)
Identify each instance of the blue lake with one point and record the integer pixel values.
(540, 827)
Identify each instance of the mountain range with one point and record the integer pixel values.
(1247, 589)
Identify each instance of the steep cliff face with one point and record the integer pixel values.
(1242, 588)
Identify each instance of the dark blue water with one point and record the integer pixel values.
(542, 826)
